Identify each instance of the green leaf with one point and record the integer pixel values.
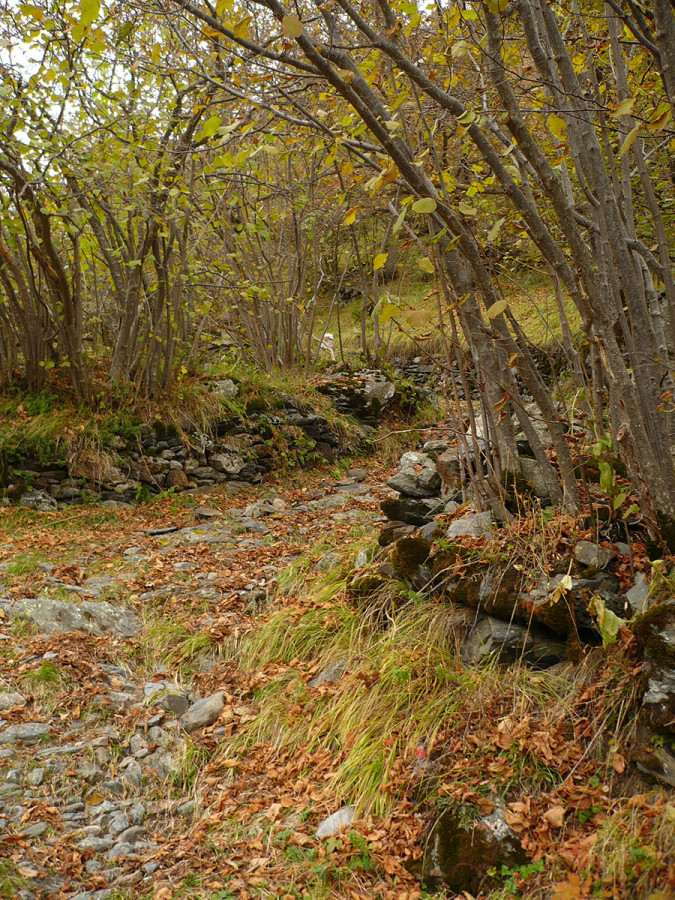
(426, 205)
(625, 108)
(292, 27)
(631, 137)
(607, 476)
(426, 265)
(211, 126)
(399, 222)
(494, 231)
(379, 261)
(466, 209)
(89, 10)
(496, 309)
(467, 118)
(619, 500)
(608, 623)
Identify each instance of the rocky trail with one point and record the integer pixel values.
(114, 692)
(260, 695)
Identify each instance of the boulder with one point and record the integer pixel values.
(176, 479)
(392, 531)
(462, 847)
(54, 616)
(228, 461)
(203, 712)
(410, 511)
(336, 821)
(226, 389)
(417, 476)
(638, 596)
(589, 554)
(472, 524)
(448, 467)
(655, 630)
(509, 642)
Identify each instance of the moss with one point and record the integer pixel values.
(408, 555)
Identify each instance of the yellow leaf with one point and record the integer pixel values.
(426, 265)
(426, 205)
(467, 118)
(350, 216)
(625, 108)
(493, 233)
(292, 27)
(496, 309)
(379, 261)
(241, 28)
(631, 137)
(557, 126)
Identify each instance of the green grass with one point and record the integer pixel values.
(11, 882)
(23, 564)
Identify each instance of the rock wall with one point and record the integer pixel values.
(237, 451)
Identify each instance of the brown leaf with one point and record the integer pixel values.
(555, 816)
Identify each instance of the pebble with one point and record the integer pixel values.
(36, 777)
(120, 850)
(118, 824)
(97, 844)
(134, 773)
(137, 813)
(35, 830)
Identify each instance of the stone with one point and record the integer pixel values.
(97, 844)
(509, 642)
(134, 774)
(472, 524)
(174, 703)
(448, 466)
(362, 394)
(461, 848)
(533, 474)
(357, 474)
(120, 851)
(205, 512)
(228, 461)
(26, 733)
(36, 777)
(590, 554)
(392, 532)
(137, 813)
(38, 500)
(204, 712)
(328, 563)
(225, 389)
(638, 596)
(336, 821)
(655, 630)
(36, 830)
(333, 673)
(187, 809)
(176, 479)
(54, 616)
(410, 511)
(10, 699)
(417, 476)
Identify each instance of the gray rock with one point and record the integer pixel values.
(417, 476)
(27, 733)
(92, 617)
(333, 673)
(334, 822)
(187, 809)
(36, 777)
(38, 500)
(174, 703)
(131, 835)
(473, 524)
(203, 712)
(638, 595)
(589, 554)
(508, 642)
(118, 824)
(134, 773)
(36, 830)
(10, 699)
(328, 562)
(97, 844)
(533, 473)
(120, 851)
(150, 867)
(225, 388)
(227, 461)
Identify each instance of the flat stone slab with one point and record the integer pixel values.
(334, 823)
(26, 733)
(55, 616)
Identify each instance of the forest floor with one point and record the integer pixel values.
(104, 795)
